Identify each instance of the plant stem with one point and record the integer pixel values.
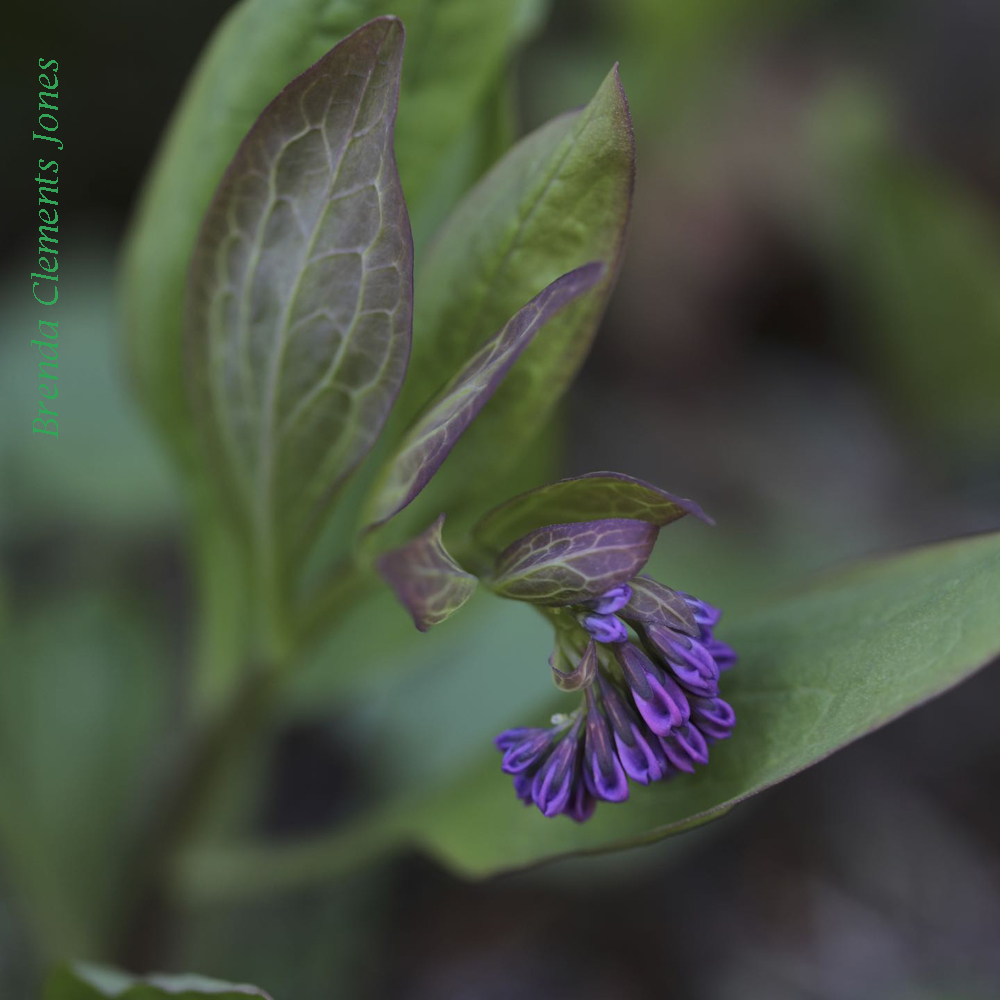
(216, 739)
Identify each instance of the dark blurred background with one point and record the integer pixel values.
(806, 337)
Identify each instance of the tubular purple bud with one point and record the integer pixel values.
(640, 754)
(611, 601)
(605, 628)
(705, 614)
(554, 781)
(602, 769)
(723, 654)
(581, 803)
(685, 747)
(714, 717)
(527, 751)
(658, 697)
(689, 660)
(511, 736)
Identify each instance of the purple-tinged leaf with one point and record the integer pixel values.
(652, 602)
(569, 563)
(582, 498)
(300, 297)
(574, 678)
(428, 442)
(425, 578)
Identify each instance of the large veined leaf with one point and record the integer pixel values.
(818, 670)
(558, 199)
(582, 498)
(431, 438)
(300, 297)
(92, 982)
(458, 50)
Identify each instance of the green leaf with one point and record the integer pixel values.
(79, 981)
(84, 705)
(817, 671)
(558, 199)
(300, 298)
(431, 438)
(425, 578)
(589, 497)
(458, 50)
(567, 563)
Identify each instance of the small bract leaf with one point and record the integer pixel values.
(568, 563)
(582, 498)
(300, 299)
(80, 981)
(425, 578)
(651, 601)
(431, 438)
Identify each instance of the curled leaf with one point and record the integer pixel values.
(581, 498)
(425, 578)
(434, 434)
(574, 678)
(567, 563)
(300, 297)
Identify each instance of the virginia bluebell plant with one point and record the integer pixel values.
(328, 406)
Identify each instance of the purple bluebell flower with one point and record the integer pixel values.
(605, 628)
(714, 717)
(650, 705)
(527, 751)
(638, 749)
(602, 771)
(553, 782)
(611, 601)
(690, 662)
(659, 698)
(685, 747)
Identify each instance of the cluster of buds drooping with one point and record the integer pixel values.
(644, 658)
(648, 664)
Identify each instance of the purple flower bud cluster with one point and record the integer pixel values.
(650, 711)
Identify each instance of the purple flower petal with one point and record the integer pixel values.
(723, 654)
(658, 697)
(641, 757)
(611, 601)
(554, 781)
(685, 747)
(605, 628)
(522, 786)
(689, 660)
(511, 736)
(714, 717)
(602, 769)
(705, 614)
(581, 803)
(528, 751)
